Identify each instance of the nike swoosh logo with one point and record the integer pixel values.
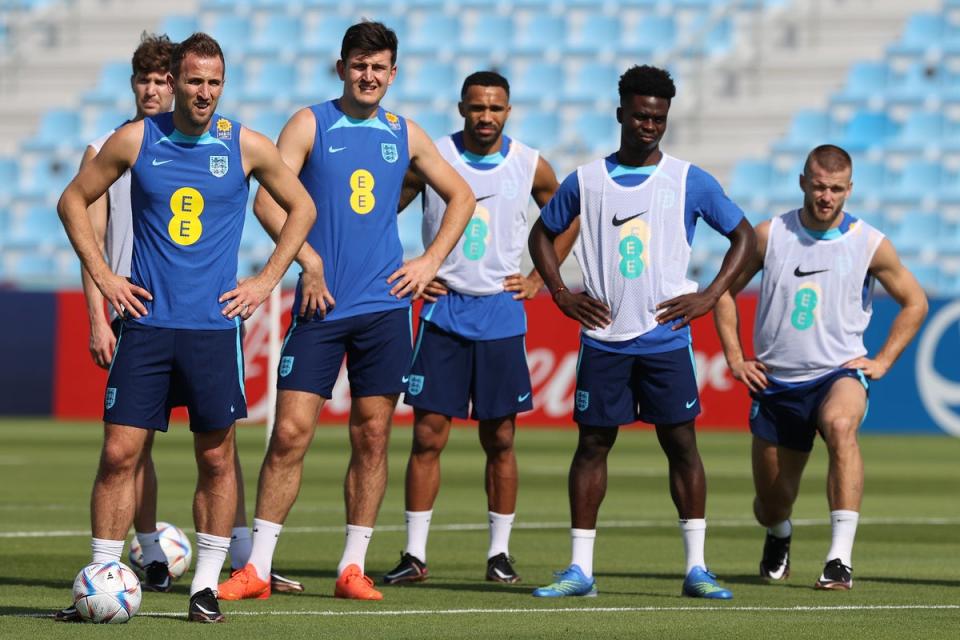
(486, 197)
(501, 574)
(404, 379)
(803, 274)
(619, 221)
(401, 573)
(157, 163)
(691, 403)
(523, 397)
(206, 611)
(333, 149)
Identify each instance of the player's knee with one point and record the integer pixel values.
(290, 439)
(217, 461)
(840, 431)
(119, 457)
(370, 441)
(497, 443)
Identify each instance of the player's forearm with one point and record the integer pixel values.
(905, 326)
(94, 300)
(290, 241)
(459, 209)
(272, 218)
(743, 245)
(727, 321)
(562, 245)
(544, 255)
(76, 223)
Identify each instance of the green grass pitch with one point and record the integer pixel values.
(907, 556)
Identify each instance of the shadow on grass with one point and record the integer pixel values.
(26, 612)
(931, 582)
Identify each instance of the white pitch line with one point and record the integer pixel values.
(521, 610)
(477, 526)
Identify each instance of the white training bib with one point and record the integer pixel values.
(493, 242)
(632, 248)
(815, 299)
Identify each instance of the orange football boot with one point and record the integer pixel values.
(356, 586)
(243, 584)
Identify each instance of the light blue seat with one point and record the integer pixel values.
(32, 266)
(808, 128)
(867, 129)
(9, 177)
(325, 36)
(113, 85)
(922, 130)
(433, 32)
(233, 34)
(106, 119)
(916, 85)
(38, 226)
(319, 84)
(596, 132)
(539, 129)
(490, 33)
(598, 33)
(435, 123)
(593, 81)
(540, 34)
(865, 80)
(914, 231)
(179, 28)
(269, 123)
(927, 273)
(429, 81)
(869, 178)
(280, 33)
(923, 31)
(708, 36)
(273, 79)
(750, 179)
(536, 81)
(654, 34)
(58, 128)
(919, 179)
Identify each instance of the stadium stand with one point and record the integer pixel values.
(899, 114)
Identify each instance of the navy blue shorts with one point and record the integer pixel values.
(156, 369)
(377, 346)
(616, 388)
(450, 371)
(789, 415)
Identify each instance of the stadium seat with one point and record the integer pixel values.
(594, 132)
(58, 128)
(539, 129)
(430, 81)
(435, 123)
(867, 129)
(865, 80)
(269, 123)
(318, 84)
(104, 120)
(323, 36)
(923, 30)
(432, 33)
(489, 34)
(750, 179)
(179, 28)
(913, 231)
(593, 81)
(653, 35)
(922, 130)
(270, 82)
(807, 129)
(113, 85)
(598, 33)
(233, 34)
(33, 267)
(539, 33)
(279, 34)
(535, 81)
(918, 180)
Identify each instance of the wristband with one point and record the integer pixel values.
(559, 289)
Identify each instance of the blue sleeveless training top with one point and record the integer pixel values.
(188, 196)
(354, 175)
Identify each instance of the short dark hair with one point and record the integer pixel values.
(369, 37)
(200, 45)
(484, 79)
(830, 157)
(153, 54)
(645, 80)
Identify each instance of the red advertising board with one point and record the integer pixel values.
(552, 344)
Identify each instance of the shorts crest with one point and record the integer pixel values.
(582, 400)
(286, 366)
(111, 398)
(415, 386)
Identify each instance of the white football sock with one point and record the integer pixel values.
(843, 526)
(781, 530)
(265, 537)
(355, 549)
(500, 526)
(418, 528)
(694, 533)
(211, 553)
(106, 550)
(583, 540)
(150, 545)
(240, 546)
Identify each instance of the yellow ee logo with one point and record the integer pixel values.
(361, 192)
(186, 205)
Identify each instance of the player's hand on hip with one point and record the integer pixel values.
(873, 369)
(434, 289)
(751, 373)
(123, 294)
(315, 296)
(685, 308)
(244, 300)
(413, 277)
(524, 286)
(102, 344)
(589, 312)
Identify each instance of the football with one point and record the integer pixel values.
(175, 545)
(106, 592)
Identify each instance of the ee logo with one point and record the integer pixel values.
(185, 227)
(361, 192)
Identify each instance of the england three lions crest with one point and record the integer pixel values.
(389, 152)
(219, 165)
